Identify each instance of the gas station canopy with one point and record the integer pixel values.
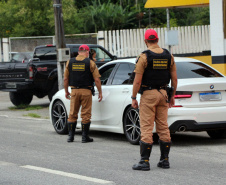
(175, 3)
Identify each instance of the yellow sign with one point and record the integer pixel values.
(175, 3)
(78, 67)
(160, 64)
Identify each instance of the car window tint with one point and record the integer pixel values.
(195, 70)
(46, 53)
(100, 54)
(105, 73)
(123, 74)
(74, 51)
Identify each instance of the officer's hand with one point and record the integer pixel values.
(135, 104)
(67, 95)
(100, 97)
(172, 102)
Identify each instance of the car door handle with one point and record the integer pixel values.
(125, 90)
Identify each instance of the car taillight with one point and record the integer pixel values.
(31, 72)
(182, 95)
(49, 45)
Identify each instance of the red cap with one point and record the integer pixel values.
(83, 48)
(150, 32)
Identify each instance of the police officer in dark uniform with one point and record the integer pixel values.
(155, 68)
(80, 74)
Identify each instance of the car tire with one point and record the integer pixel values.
(53, 90)
(131, 125)
(217, 134)
(18, 98)
(59, 117)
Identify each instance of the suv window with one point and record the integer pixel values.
(123, 74)
(195, 70)
(46, 53)
(105, 73)
(100, 55)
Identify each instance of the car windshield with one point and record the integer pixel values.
(195, 70)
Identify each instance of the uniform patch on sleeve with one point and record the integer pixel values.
(78, 67)
(160, 63)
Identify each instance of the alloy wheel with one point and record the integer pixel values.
(132, 125)
(59, 117)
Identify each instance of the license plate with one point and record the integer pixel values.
(10, 85)
(213, 96)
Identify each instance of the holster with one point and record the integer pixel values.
(93, 90)
(141, 90)
(169, 91)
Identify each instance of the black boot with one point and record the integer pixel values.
(145, 151)
(85, 132)
(71, 130)
(164, 159)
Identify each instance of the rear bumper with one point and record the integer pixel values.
(15, 86)
(197, 119)
(191, 125)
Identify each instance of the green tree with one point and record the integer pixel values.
(35, 18)
(106, 16)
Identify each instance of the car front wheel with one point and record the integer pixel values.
(131, 125)
(59, 117)
(217, 134)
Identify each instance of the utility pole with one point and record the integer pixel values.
(60, 39)
(168, 23)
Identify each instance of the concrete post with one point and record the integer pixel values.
(218, 42)
(5, 45)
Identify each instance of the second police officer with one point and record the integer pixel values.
(80, 73)
(154, 69)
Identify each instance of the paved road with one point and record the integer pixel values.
(32, 153)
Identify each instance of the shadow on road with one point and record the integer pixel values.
(179, 139)
(192, 139)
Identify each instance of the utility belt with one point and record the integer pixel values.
(154, 87)
(168, 89)
(143, 88)
(85, 87)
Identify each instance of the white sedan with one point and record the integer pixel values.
(200, 101)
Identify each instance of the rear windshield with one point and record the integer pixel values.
(195, 70)
(45, 53)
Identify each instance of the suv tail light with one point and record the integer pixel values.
(31, 72)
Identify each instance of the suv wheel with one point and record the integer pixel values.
(59, 117)
(53, 90)
(131, 125)
(18, 98)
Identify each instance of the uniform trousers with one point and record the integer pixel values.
(154, 108)
(80, 98)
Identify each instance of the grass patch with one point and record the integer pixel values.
(26, 107)
(33, 115)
